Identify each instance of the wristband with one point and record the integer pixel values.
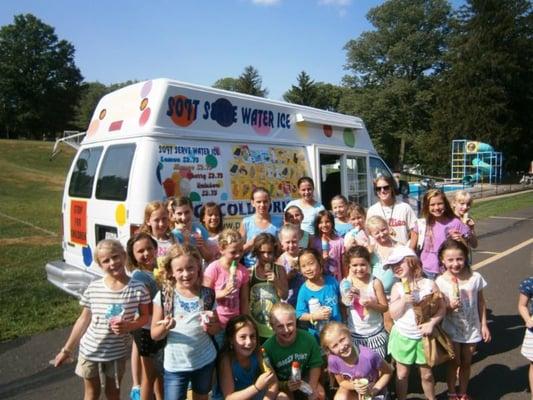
(66, 351)
(255, 387)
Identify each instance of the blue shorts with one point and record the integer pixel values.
(176, 383)
(431, 275)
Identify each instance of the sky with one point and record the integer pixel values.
(202, 41)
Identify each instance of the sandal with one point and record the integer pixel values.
(463, 397)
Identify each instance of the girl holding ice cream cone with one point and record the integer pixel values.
(365, 301)
(360, 372)
(108, 315)
(184, 314)
(466, 318)
(405, 340)
(268, 282)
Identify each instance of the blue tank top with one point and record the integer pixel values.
(244, 377)
(252, 230)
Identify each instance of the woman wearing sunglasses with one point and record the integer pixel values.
(399, 215)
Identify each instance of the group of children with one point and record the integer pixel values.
(261, 306)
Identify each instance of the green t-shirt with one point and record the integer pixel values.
(305, 350)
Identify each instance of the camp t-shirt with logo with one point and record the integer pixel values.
(305, 350)
(400, 217)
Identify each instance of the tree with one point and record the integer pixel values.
(91, 93)
(250, 82)
(328, 96)
(39, 81)
(227, 83)
(305, 93)
(314, 94)
(393, 68)
(486, 94)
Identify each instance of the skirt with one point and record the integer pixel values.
(377, 341)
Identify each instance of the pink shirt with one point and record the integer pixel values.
(333, 265)
(229, 306)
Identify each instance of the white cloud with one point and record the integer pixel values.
(340, 3)
(266, 2)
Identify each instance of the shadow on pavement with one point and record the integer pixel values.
(37, 380)
(507, 333)
(10, 345)
(497, 380)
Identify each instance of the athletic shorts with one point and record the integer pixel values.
(404, 350)
(147, 346)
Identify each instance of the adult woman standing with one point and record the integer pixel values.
(399, 215)
(307, 203)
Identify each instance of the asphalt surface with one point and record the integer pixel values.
(498, 371)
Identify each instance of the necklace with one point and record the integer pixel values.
(392, 232)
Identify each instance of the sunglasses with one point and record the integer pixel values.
(382, 188)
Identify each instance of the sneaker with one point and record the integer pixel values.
(135, 393)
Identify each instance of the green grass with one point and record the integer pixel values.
(31, 187)
(501, 206)
(30, 304)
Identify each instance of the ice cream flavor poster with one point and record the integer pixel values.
(208, 173)
(277, 169)
(193, 171)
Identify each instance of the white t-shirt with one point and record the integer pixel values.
(406, 324)
(400, 217)
(463, 325)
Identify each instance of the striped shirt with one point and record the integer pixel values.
(99, 343)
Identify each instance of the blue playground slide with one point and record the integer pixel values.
(483, 170)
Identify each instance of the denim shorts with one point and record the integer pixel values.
(431, 275)
(176, 383)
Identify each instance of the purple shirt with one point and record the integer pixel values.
(367, 365)
(434, 238)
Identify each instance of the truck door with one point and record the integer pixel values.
(345, 174)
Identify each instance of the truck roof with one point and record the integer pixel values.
(168, 108)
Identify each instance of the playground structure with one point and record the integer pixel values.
(475, 162)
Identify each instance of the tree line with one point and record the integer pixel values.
(425, 74)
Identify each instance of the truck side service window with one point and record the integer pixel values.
(357, 179)
(114, 175)
(330, 177)
(81, 181)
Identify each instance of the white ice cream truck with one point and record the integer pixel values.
(163, 138)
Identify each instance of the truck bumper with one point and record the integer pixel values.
(69, 278)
